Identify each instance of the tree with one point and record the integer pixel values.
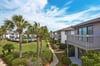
(8, 47)
(20, 24)
(40, 32)
(44, 35)
(1, 33)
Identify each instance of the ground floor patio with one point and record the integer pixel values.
(76, 60)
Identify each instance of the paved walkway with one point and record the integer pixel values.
(59, 51)
(76, 60)
(2, 63)
(55, 59)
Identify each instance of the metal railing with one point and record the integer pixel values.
(88, 42)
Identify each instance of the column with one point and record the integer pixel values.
(76, 52)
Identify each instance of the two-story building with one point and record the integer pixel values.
(86, 37)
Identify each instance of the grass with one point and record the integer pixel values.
(32, 46)
(46, 54)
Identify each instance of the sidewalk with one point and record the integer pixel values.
(55, 59)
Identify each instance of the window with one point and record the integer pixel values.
(90, 30)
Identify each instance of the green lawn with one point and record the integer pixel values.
(25, 46)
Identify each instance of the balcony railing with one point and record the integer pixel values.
(88, 42)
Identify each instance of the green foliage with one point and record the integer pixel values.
(19, 62)
(28, 54)
(62, 46)
(98, 64)
(74, 65)
(8, 47)
(66, 60)
(34, 59)
(8, 59)
(91, 58)
(46, 56)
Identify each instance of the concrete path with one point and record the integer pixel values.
(76, 60)
(59, 52)
(2, 63)
(55, 59)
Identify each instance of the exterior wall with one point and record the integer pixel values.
(63, 37)
(97, 34)
(90, 42)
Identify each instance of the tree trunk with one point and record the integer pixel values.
(20, 45)
(40, 45)
(38, 48)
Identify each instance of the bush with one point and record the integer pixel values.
(66, 60)
(28, 54)
(19, 62)
(34, 59)
(8, 59)
(8, 47)
(62, 46)
(46, 56)
(74, 65)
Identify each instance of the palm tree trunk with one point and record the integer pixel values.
(20, 45)
(40, 45)
(38, 48)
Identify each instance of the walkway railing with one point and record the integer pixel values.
(88, 42)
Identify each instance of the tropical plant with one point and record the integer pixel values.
(20, 24)
(8, 47)
(40, 32)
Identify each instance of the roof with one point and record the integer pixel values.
(96, 20)
(65, 29)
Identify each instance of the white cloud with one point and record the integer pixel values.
(32, 10)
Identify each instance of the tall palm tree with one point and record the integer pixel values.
(44, 35)
(40, 32)
(20, 24)
(36, 31)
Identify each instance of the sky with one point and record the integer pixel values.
(55, 14)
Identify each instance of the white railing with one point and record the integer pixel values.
(88, 42)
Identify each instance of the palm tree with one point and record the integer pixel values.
(36, 30)
(20, 24)
(40, 32)
(44, 35)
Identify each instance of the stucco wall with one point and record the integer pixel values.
(63, 37)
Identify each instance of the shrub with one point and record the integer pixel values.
(34, 59)
(19, 62)
(16, 54)
(62, 46)
(74, 65)
(66, 60)
(28, 54)
(8, 59)
(46, 56)
(8, 47)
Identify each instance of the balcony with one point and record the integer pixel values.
(87, 42)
